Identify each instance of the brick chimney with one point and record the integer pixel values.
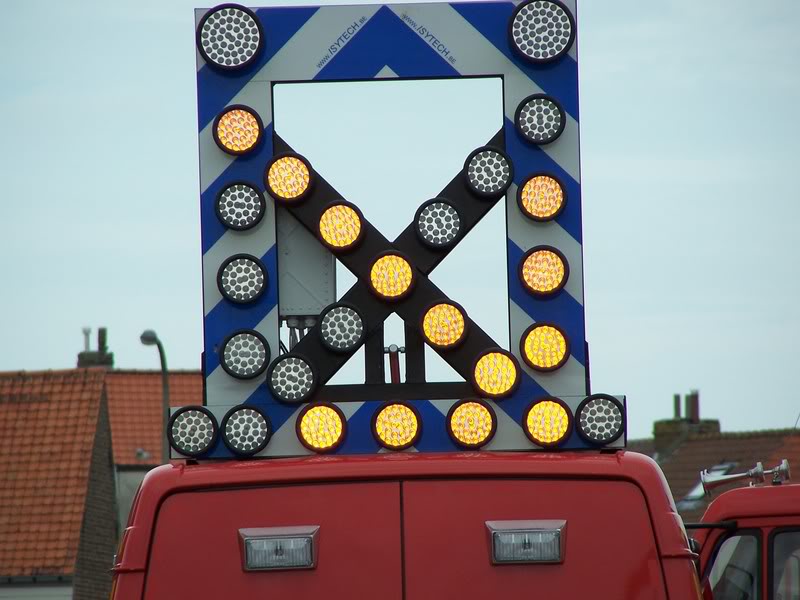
(96, 358)
(669, 434)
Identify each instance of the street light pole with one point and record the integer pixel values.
(149, 338)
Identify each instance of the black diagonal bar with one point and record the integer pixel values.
(471, 210)
(359, 261)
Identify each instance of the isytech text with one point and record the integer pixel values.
(339, 42)
(430, 38)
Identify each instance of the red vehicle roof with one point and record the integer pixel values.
(758, 501)
(626, 466)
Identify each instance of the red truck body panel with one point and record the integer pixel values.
(764, 508)
(409, 526)
(196, 534)
(446, 544)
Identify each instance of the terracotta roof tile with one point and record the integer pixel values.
(644, 446)
(790, 450)
(47, 428)
(134, 404)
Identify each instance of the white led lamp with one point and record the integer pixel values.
(291, 379)
(242, 278)
(192, 430)
(230, 37)
(246, 430)
(600, 419)
(541, 31)
(341, 328)
(245, 354)
(489, 172)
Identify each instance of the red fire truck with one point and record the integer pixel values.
(466, 525)
(453, 526)
(749, 538)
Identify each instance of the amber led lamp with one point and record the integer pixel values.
(544, 347)
(340, 226)
(237, 129)
(321, 427)
(396, 426)
(444, 325)
(541, 198)
(288, 177)
(391, 277)
(471, 423)
(543, 271)
(547, 422)
(496, 374)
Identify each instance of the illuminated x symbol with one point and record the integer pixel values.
(393, 276)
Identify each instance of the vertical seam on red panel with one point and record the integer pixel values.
(402, 545)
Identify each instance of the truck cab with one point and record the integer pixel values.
(749, 539)
(414, 525)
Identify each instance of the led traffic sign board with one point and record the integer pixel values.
(262, 399)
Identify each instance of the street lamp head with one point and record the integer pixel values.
(149, 337)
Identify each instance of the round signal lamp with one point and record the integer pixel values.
(540, 119)
(391, 277)
(548, 422)
(541, 198)
(542, 30)
(438, 223)
(544, 271)
(340, 226)
(471, 423)
(600, 419)
(245, 354)
(545, 347)
(242, 278)
(246, 430)
(240, 206)
(443, 325)
(291, 379)
(396, 426)
(341, 328)
(230, 37)
(496, 374)
(237, 130)
(321, 427)
(192, 430)
(288, 178)
(489, 172)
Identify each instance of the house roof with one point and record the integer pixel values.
(47, 427)
(642, 446)
(135, 411)
(702, 451)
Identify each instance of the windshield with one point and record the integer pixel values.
(735, 571)
(786, 565)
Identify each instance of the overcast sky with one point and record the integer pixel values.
(690, 139)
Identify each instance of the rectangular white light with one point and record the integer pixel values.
(279, 548)
(515, 542)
